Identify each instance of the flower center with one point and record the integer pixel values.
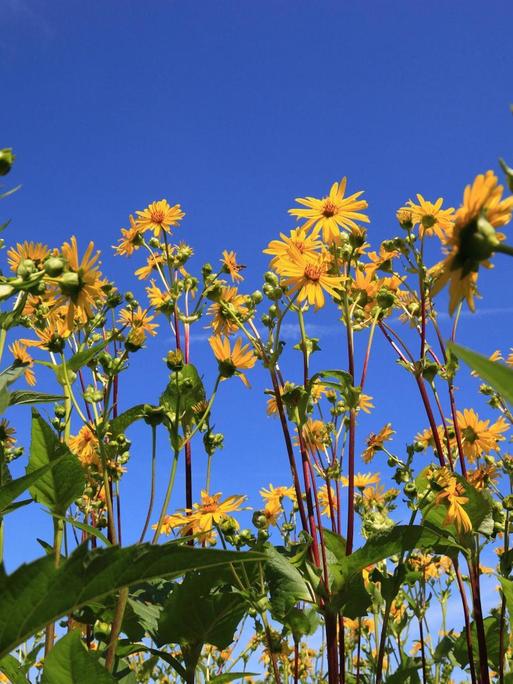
(313, 272)
(330, 209)
(428, 221)
(157, 216)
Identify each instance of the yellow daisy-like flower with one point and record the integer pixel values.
(230, 304)
(35, 251)
(81, 286)
(478, 436)
(7, 433)
(362, 480)
(159, 216)
(130, 240)
(298, 241)
(453, 496)
(153, 262)
(324, 500)
(375, 497)
(309, 276)
(471, 241)
(381, 260)
(55, 333)
(232, 361)
(85, 446)
(375, 442)
(23, 358)
(315, 435)
(276, 494)
(484, 476)
(139, 319)
(159, 299)
(365, 403)
(431, 218)
(202, 519)
(332, 212)
(231, 266)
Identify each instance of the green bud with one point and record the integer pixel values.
(6, 160)
(54, 266)
(174, 360)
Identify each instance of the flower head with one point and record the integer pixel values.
(35, 251)
(232, 361)
(299, 240)
(478, 436)
(452, 495)
(23, 358)
(332, 212)
(309, 276)
(159, 216)
(230, 266)
(229, 306)
(375, 442)
(130, 240)
(81, 286)
(431, 218)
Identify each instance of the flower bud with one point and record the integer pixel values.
(174, 360)
(6, 160)
(54, 266)
(153, 415)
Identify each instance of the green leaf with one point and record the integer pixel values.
(184, 390)
(93, 531)
(7, 377)
(124, 420)
(29, 397)
(70, 661)
(286, 584)
(231, 677)
(81, 358)
(496, 374)
(64, 483)
(198, 612)
(11, 667)
(406, 674)
(10, 491)
(38, 592)
(492, 630)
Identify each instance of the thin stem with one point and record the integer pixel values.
(116, 628)
(152, 485)
(167, 497)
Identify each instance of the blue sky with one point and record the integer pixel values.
(233, 109)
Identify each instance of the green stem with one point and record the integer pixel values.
(116, 628)
(152, 485)
(167, 498)
(504, 249)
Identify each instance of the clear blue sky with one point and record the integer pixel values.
(233, 109)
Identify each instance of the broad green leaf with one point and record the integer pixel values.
(492, 629)
(64, 483)
(11, 667)
(10, 491)
(507, 590)
(184, 390)
(198, 612)
(7, 377)
(496, 374)
(70, 661)
(231, 677)
(124, 420)
(81, 358)
(38, 593)
(286, 584)
(93, 531)
(407, 673)
(29, 397)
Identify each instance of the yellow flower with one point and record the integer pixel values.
(85, 446)
(232, 361)
(231, 266)
(310, 277)
(375, 442)
(298, 241)
(377, 496)
(153, 262)
(381, 260)
(272, 511)
(35, 251)
(7, 433)
(159, 216)
(81, 286)
(362, 480)
(483, 476)
(23, 358)
(158, 298)
(478, 436)
(276, 494)
(139, 319)
(471, 244)
(452, 495)
(231, 304)
(202, 519)
(332, 212)
(431, 218)
(315, 435)
(53, 336)
(324, 499)
(365, 403)
(131, 239)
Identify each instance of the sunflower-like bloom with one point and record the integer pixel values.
(381, 260)
(362, 480)
(23, 358)
(327, 500)
(365, 403)
(139, 319)
(85, 446)
(309, 276)
(299, 240)
(203, 518)
(54, 334)
(478, 436)
(35, 251)
(315, 435)
(153, 263)
(375, 442)
(81, 285)
(452, 495)
(230, 266)
(229, 306)
(7, 433)
(159, 299)
(277, 493)
(130, 240)
(159, 216)
(232, 361)
(431, 567)
(482, 477)
(431, 218)
(472, 239)
(376, 496)
(332, 212)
